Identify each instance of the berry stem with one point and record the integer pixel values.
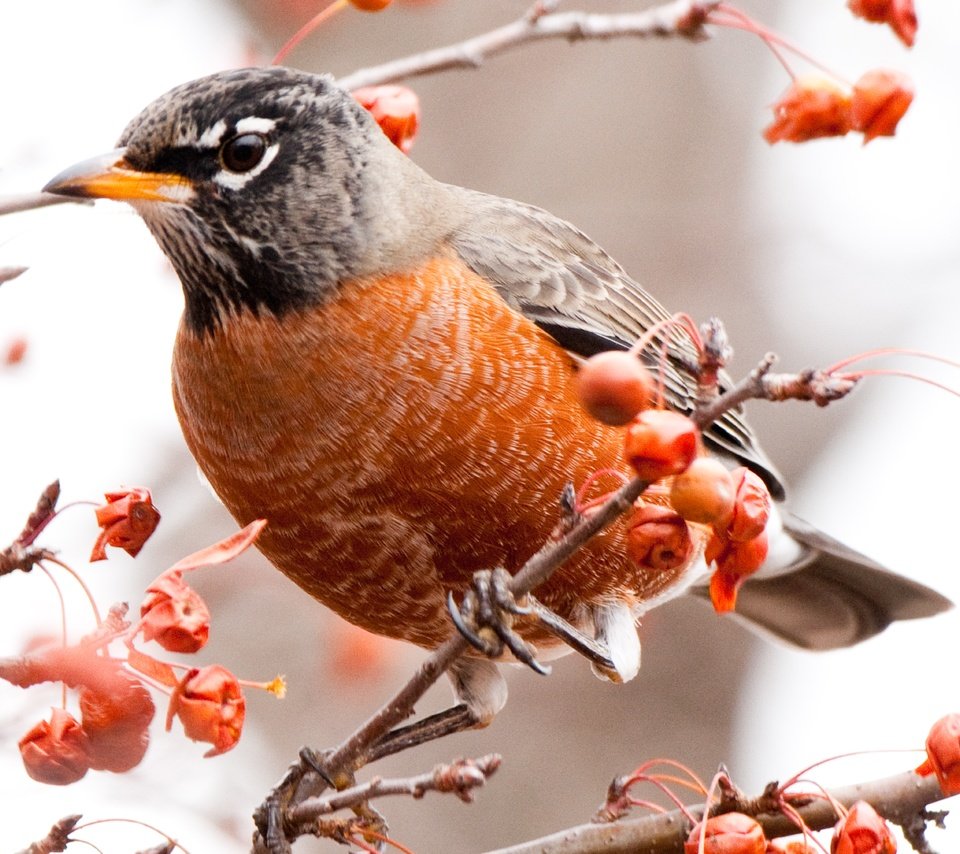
(80, 581)
(323, 15)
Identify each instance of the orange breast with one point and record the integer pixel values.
(406, 433)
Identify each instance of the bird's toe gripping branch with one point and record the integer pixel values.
(485, 619)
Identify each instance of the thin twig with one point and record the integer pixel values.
(8, 274)
(57, 839)
(24, 558)
(683, 18)
(814, 385)
(33, 201)
(459, 777)
(21, 553)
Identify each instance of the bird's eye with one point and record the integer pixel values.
(243, 153)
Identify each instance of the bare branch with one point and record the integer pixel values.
(900, 799)
(8, 274)
(812, 384)
(683, 18)
(21, 553)
(459, 777)
(32, 201)
(57, 839)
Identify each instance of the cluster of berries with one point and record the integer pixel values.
(115, 706)
(694, 501)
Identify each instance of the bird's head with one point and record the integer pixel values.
(265, 187)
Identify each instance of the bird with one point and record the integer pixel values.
(383, 365)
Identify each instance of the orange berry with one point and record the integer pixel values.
(614, 386)
(880, 99)
(810, 108)
(737, 557)
(127, 520)
(56, 752)
(396, 109)
(117, 724)
(943, 754)
(16, 350)
(660, 443)
(735, 562)
(658, 538)
(729, 833)
(174, 615)
(751, 508)
(862, 831)
(899, 14)
(370, 5)
(210, 706)
(703, 493)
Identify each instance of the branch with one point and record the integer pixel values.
(32, 201)
(900, 799)
(57, 839)
(459, 777)
(8, 274)
(21, 553)
(683, 18)
(812, 384)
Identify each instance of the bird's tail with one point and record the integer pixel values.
(831, 596)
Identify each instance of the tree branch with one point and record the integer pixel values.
(900, 799)
(683, 18)
(459, 777)
(32, 201)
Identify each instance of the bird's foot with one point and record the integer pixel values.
(593, 650)
(485, 619)
(486, 615)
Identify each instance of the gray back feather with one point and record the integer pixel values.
(558, 277)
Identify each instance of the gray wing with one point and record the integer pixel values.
(554, 274)
(833, 597)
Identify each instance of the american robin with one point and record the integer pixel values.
(382, 365)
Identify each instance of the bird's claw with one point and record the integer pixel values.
(485, 618)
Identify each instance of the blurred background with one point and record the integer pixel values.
(654, 149)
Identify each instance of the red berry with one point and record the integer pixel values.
(396, 109)
(117, 724)
(56, 752)
(751, 508)
(658, 538)
(899, 14)
(660, 443)
(16, 350)
(862, 831)
(370, 5)
(729, 833)
(943, 754)
(210, 706)
(737, 557)
(880, 100)
(613, 387)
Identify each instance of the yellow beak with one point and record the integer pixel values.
(110, 176)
